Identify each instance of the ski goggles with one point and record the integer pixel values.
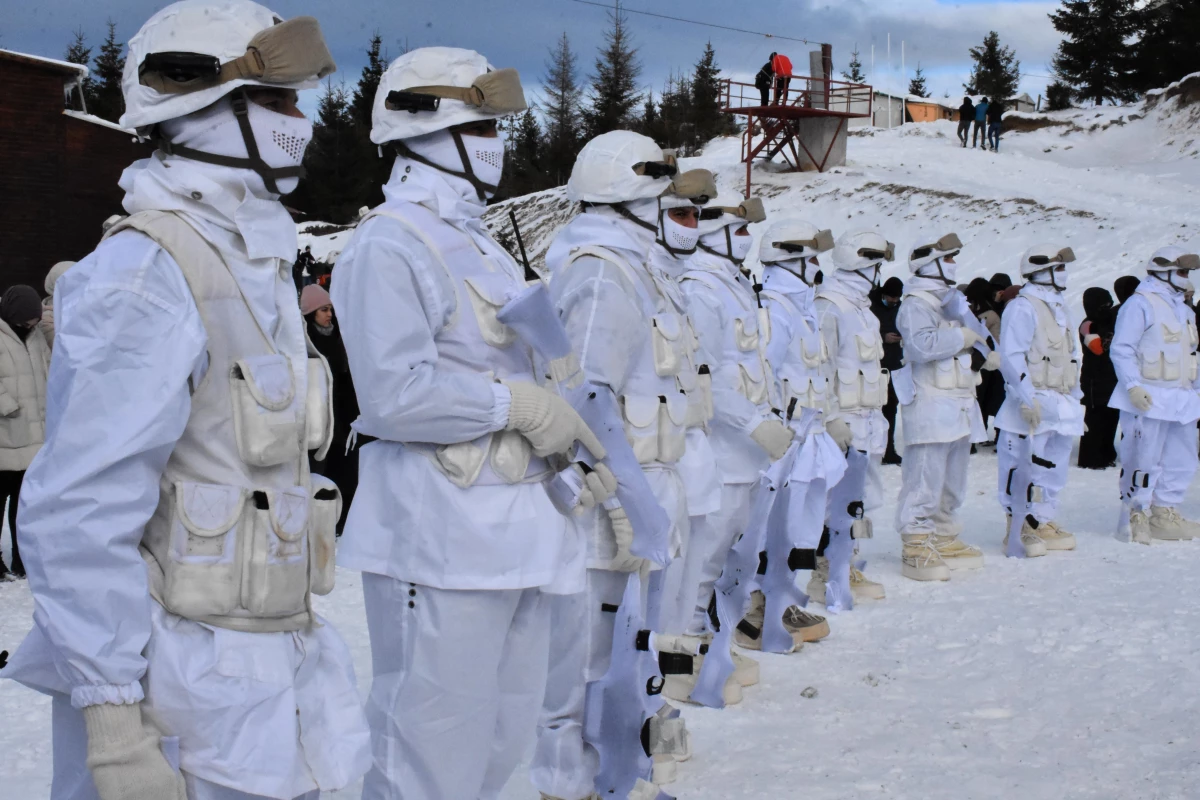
(497, 93)
(822, 242)
(1064, 256)
(697, 185)
(750, 211)
(949, 245)
(872, 254)
(288, 53)
(1185, 263)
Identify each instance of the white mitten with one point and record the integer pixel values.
(839, 429)
(970, 338)
(992, 362)
(598, 485)
(1032, 415)
(1141, 399)
(623, 561)
(774, 437)
(126, 758)
(548, 421)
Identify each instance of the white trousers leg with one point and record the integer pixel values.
(73, 780)
(580, 651)
(459, 677)
(706, 558)
(933, 486)
(1052, 453)
(675, 604)
(1164, 452)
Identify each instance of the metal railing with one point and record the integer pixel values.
(801, 96)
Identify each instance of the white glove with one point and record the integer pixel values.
(774, 437)
(1141, 399)
(1032, 415)
(623, 561)
(598, 485)
(992, 362)
(970, 338)
(548, 421)
(840, 431)
(126, 757)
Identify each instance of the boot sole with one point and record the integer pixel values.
(969, 562)
(1061, 545)
(1170, 537)
(868, 594)
(929, 574)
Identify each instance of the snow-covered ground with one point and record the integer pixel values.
(1069, 676)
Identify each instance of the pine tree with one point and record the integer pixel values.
(79, 53)
(562, 112)
(856, 74)
(364, 93)
(1096, 57)
(1166, 50)
(522, 158)
(1058, 96)
(675, 129)
(707, 119)
(916, 86)
(996, 72)
(110, 65)
(614, 93)
(332, 188)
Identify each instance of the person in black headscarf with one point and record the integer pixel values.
(885, 304)
(984, 298)
(339, 466)
(1124, 287)
(1098, 380)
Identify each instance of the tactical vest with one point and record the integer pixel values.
(1167, 350)
(801, 375)
(949, 377)
(243, 535)
(859, 379)
(1053, 357)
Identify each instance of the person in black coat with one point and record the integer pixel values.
(885, 304)
(765, 79)
(995, 120)
(304, 259)
(339, 466)
(966, 115)
(1098, 379)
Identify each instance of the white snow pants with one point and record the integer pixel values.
(933, 487)
(458, 681)
(709, 547)
(564, 766)
(73, 780)
(870, 430)
(1052, 455)
(806, 506)
(1163, 451)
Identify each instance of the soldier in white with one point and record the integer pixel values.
(172, 532)
(790, 256)
(452, 527)
(1154, 354)
(630, 335)
(858, 383)
(941, 416)
(1039, 358)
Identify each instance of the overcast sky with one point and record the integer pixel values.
(518, 33)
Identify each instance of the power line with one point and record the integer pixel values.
(696, 22)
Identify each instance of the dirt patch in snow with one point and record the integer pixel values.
(1028, 124)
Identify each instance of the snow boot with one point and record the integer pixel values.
(745, 669)
(1054, 537)
(1167, 525)
(679, 687)
(957, 554)
(863, 587)
(1034, 546)
(920, 560)
(803, 626)
(1139, 527)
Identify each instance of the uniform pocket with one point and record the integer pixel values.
(323, 516)
(267, 418)
(489, 294)
(672, 427)
(745, 331)
(701, 399)
(849, 388)
(967, 377)
(1172, 369)
(202, 575)
(276, 580)
(318, 407)
(462, 462)
(945, 374)
(870, 346)
(511, 453)
(874, 389)
(754, 383)
(1039, 372)
(813, 354)
(641, 426)
(668, 344)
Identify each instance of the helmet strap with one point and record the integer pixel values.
(1169, 280)
(941, 276)
(468, 174)
(786, 265)
(1053, 284)
(254, 160)
(727, 255)
(873, 281)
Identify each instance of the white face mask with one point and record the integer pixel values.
(676, 236)
(281, 140)
(949, 271)
(741, 247)
(485, 154)
(1181, 285)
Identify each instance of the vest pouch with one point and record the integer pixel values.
(745, 334)
(323, 516)
(817, 355)
(672, 427)
(1039, 369)
(967, 377)
(276, 580)
(267, 418)
(803, 391)
(641, 426)
(203, 571)
(875, 389)
(945, 374)
(849, 388)
(488, 294)
(462, 462)
(510, 456)
(700, 399)
(764, 326)
(1172, 368)
(754, 383)
(870, 346)
(318, 407)
(668, 344)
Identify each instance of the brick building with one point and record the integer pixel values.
(58, 168)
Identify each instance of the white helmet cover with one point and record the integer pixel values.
(792, 243)
(932, 253)
(727, 214)
(618, 167)
(862, 250)
(1045, 258)
(1167, 260)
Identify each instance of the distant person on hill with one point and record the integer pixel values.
(995, 119)
(781, 65)
(979, 137)
(966, 113)
(764, 79)
(304, 260)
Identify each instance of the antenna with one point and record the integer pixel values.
(530, 275)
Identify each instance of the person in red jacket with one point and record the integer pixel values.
(782, 67)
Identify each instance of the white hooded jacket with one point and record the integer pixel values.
(1156, 304)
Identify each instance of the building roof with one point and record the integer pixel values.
(92, 118)
(66, 68)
